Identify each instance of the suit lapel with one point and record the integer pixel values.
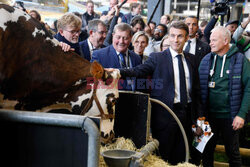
(198, 48)
(188, 60)
(84, 47)
(87, 51)
(115, 57)
(131, 58)
(168, 56)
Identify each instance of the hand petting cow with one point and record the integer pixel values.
(36, 73)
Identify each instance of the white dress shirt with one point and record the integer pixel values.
(127, 59)
(177, 96)
(91, 48)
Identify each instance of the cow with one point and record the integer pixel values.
(36, 73)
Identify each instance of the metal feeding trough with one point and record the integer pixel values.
(127, 158)
(118, 158)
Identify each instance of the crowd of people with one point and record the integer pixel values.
(196, 69)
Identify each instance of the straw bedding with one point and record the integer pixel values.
(151, 160)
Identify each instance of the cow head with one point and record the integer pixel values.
(104, 84)
(37, 73)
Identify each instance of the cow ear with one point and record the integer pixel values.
(96, 70)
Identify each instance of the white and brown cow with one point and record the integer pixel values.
(37, 73)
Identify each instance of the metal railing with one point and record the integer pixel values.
(62, 120)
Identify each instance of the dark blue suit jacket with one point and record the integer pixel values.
(108, 58)
(160, 67)
(202, 49)
(85, 49)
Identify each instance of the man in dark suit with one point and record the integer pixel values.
(118, 55)
(175, 82)
(97, 30)
(194, 45)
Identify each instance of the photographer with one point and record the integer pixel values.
(221, 8)
(231, 26)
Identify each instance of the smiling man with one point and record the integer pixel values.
(118, 55)
(97, 31)
(178, 89)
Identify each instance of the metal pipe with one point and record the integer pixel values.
(178, 122)
(93, 142)
(64, 120)
(153, 13)
(138, 157)
(150, 147)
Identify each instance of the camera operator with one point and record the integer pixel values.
(221, 8)
(231, 26)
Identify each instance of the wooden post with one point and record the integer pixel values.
(244, 152)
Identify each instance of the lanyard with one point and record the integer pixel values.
(127, 63)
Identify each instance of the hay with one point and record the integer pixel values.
(120, 143)
(151, 160)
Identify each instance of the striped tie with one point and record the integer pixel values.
(123, 62)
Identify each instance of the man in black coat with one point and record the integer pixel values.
(175, 82)
(194, 45)
(90, 14)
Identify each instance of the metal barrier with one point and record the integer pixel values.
(178, 122)
(64, 123)
(138, 111)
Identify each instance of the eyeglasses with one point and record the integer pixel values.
(159, 30)
(102, 32)
(74, 32)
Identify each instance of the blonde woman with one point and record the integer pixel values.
(140, 42)
(164, 43)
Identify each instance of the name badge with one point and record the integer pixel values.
(211, 84)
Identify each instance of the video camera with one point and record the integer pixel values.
(221, 7)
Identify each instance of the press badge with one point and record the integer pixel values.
(211, 84)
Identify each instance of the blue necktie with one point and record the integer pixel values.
(183, 88)
(187, 49)
(123, 62)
